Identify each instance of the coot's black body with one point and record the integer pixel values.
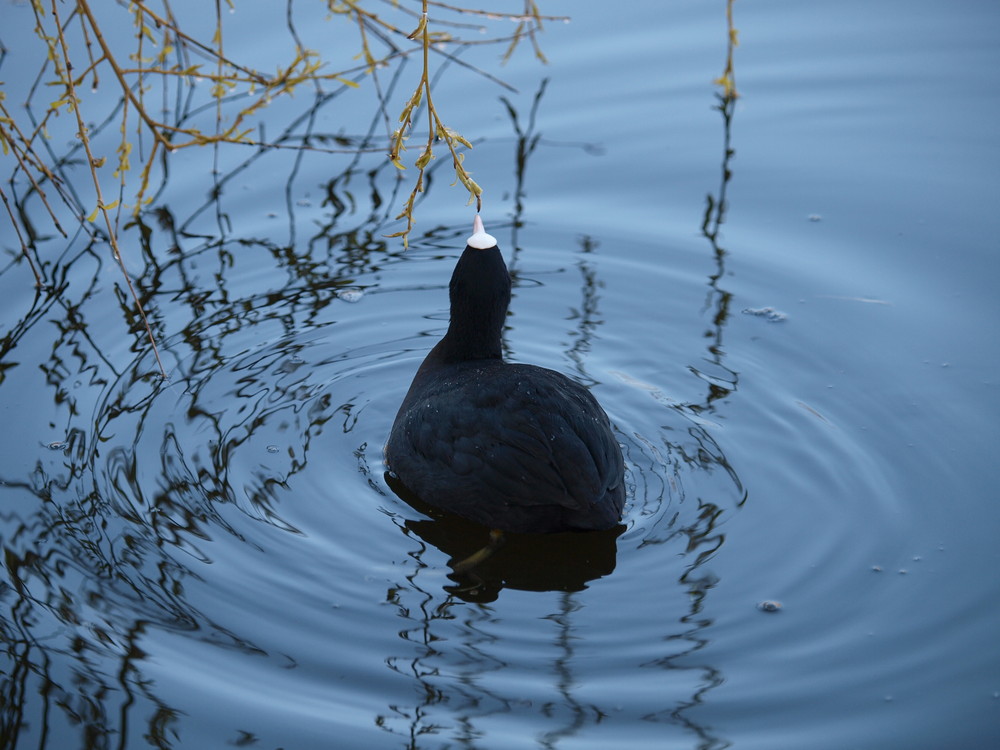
(515, 447)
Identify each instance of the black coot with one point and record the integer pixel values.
(515, 447)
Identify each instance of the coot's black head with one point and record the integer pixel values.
(480, 294)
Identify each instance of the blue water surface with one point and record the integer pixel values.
(786, 304)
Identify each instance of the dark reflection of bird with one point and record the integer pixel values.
(483, 565)
(514, 447)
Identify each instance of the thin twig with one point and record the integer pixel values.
(20, 238)
(28, 154)
(92, 163)
(172, 26)
(126, 89)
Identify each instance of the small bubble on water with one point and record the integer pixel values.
(815, 217)
(769, 605)
(768, 313)
(350, 295)
(876, 568)
(273, 449)
(903, 571)
(57, 445)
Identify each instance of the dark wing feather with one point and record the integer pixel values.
(521, 433)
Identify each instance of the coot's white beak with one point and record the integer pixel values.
(480, 240)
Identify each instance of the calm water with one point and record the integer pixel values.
(805, 386)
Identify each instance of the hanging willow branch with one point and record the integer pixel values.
(162, 54)
(728, 78)
(436, 129)
(528, 24)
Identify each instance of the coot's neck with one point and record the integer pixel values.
(480, 294)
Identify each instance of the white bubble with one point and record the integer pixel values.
(350, 295)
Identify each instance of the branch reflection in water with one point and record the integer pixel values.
(107, 533)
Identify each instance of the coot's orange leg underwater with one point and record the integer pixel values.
(514, 447)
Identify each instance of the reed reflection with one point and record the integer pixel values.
(703, 538)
